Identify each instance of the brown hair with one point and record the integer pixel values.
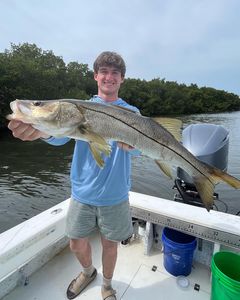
(110, 59)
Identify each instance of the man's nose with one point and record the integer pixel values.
(109, 76)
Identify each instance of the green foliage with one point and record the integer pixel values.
(160, 97)
(28, 72)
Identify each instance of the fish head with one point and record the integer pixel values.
(50, 116)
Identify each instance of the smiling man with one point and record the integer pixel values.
(108, 80)
(99, 197)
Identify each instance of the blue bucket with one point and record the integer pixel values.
(178, 249)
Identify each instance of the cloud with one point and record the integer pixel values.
(181, 40)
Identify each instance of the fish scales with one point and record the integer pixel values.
(96, 124)
(140, 132)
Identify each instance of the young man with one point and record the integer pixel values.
(99, 197)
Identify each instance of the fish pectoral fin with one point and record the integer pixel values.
(205, 189)
(174, 126)
(165, 168)
(106, 149)
(97, 150)
(97, 144)
(97, 155)
(90, 135)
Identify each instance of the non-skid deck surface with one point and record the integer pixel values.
(133, 278)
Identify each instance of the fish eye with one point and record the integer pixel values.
(37, 103)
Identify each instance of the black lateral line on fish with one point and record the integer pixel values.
(105, 113)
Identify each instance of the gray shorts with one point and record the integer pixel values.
(114, 222)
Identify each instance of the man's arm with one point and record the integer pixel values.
(133, 151)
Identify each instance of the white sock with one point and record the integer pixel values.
(107, 283)
(89, 270)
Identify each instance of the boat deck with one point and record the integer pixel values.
(133, 278)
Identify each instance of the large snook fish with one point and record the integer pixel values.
(97, 124)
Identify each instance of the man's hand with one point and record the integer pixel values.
(25, 132)
(124, 146)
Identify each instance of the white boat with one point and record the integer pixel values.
(36, 263)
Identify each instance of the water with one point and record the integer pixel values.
(35, 176)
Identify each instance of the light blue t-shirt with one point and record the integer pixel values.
(93, 185)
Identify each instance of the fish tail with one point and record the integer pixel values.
(218, 175)
(205, 184)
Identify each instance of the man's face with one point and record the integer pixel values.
(108, 80)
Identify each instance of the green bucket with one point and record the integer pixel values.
(225, 276)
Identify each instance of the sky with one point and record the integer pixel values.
(186, 41)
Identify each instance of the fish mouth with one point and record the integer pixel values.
(23, 108)
(15, 111)
(20, 111)
(14, 106)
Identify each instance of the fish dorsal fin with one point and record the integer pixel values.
(165, 168)
(174, 126)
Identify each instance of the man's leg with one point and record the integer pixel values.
(109, 258)
(82, 249)
(115, 225)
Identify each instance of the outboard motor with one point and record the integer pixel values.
(209, 143)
